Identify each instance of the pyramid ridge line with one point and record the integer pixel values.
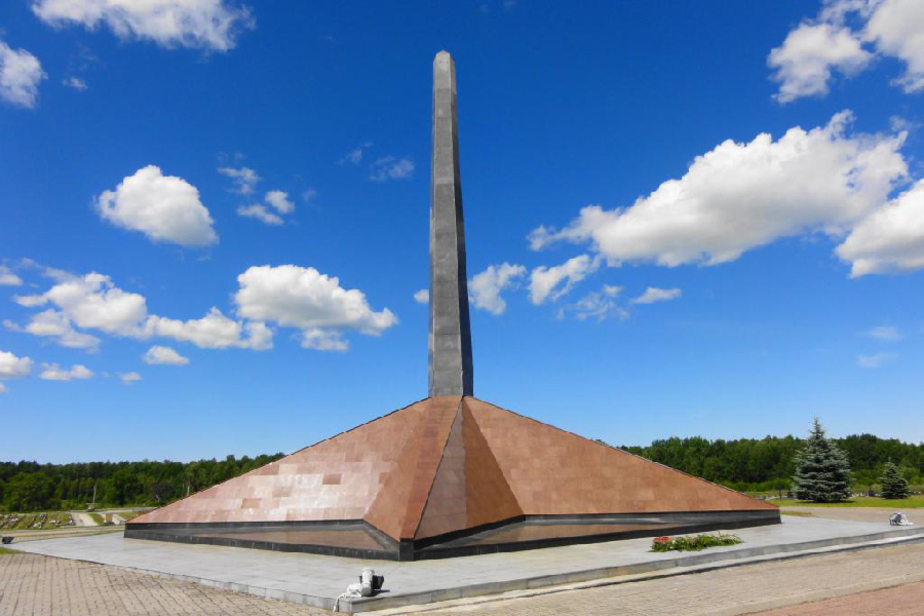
(436, 473)
(627, 453)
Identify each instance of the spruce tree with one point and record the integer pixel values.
(822, 470)
(893, 484)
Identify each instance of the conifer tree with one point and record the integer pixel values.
(893, 484)
(822, 469)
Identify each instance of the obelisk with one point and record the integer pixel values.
(450, 332)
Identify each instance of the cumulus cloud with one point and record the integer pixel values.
(304, 298)
(422, 296)
(164, 208)
(75, 82)
(599, 305)
(3, 389)
(20, 74)
(259, 212)
(204, 24)
(874, 361)
(554, 282)
(743, 195)
(275, 200)
(8, 278)
(807, 59)
(244, 178)
(55, 324)
(485, 288)
(890, 239)
(654, 294)
(94, 302)
(128, 378)
(164, 356)
(805, 62)
(53, 372)
(885, 333)
(355, 156)
(12, 367)
(391, 168)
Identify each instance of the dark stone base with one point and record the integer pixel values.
(358, 539)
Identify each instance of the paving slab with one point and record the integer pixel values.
(316, 580)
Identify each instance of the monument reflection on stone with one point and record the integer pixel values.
(449, 475)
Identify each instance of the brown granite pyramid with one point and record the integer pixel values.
(450, 474)
(447, 476)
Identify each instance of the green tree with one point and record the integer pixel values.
(893, 484)
(822, 469)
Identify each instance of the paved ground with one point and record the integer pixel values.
(83, 519)
(901, 601)
(744, 590)
(33, 585)
(318, 580)
(858, 514)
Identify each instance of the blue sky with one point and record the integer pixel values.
(682, 218)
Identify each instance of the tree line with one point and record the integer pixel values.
(29, 486)
(768, 464)
(749, 465)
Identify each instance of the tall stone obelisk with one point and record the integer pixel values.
(450, 332)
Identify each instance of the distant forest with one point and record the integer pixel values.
(749, 465)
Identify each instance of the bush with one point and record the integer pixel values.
(693, 543)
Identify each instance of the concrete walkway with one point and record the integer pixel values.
(318, 580)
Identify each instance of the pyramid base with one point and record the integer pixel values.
(359, 539)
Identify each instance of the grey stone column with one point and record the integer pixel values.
(450, 332)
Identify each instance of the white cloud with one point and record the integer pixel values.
(309, 195)
(12, 367)
(355, 156)
(53, 372)
(164, 208)
(8, 278)
(486, 287)
(890, 239)
(55, 324)
(128, 378)
(259, 212)
(164, 356)
(391, 168)
(598, 305)
(94, 302)
(805, 61)
(3, 389)
(20, 74)
(885, 333)
(554, 282)
(654, 294)
(896, 27)
(280, 201)
(422, 296)
(275, 199)
(874, 361)
(743, 195)
(75, 82)
(813, 50)
(324, 340)
(306, 299)
(206, 24)
(244, 178)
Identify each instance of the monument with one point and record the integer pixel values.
(449, 475)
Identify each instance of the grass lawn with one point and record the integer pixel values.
(6, 551)
(915, 502)
(128, 515)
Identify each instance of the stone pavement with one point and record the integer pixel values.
(316, 580)
(33, 585)
(899, 601)
(742, 590)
